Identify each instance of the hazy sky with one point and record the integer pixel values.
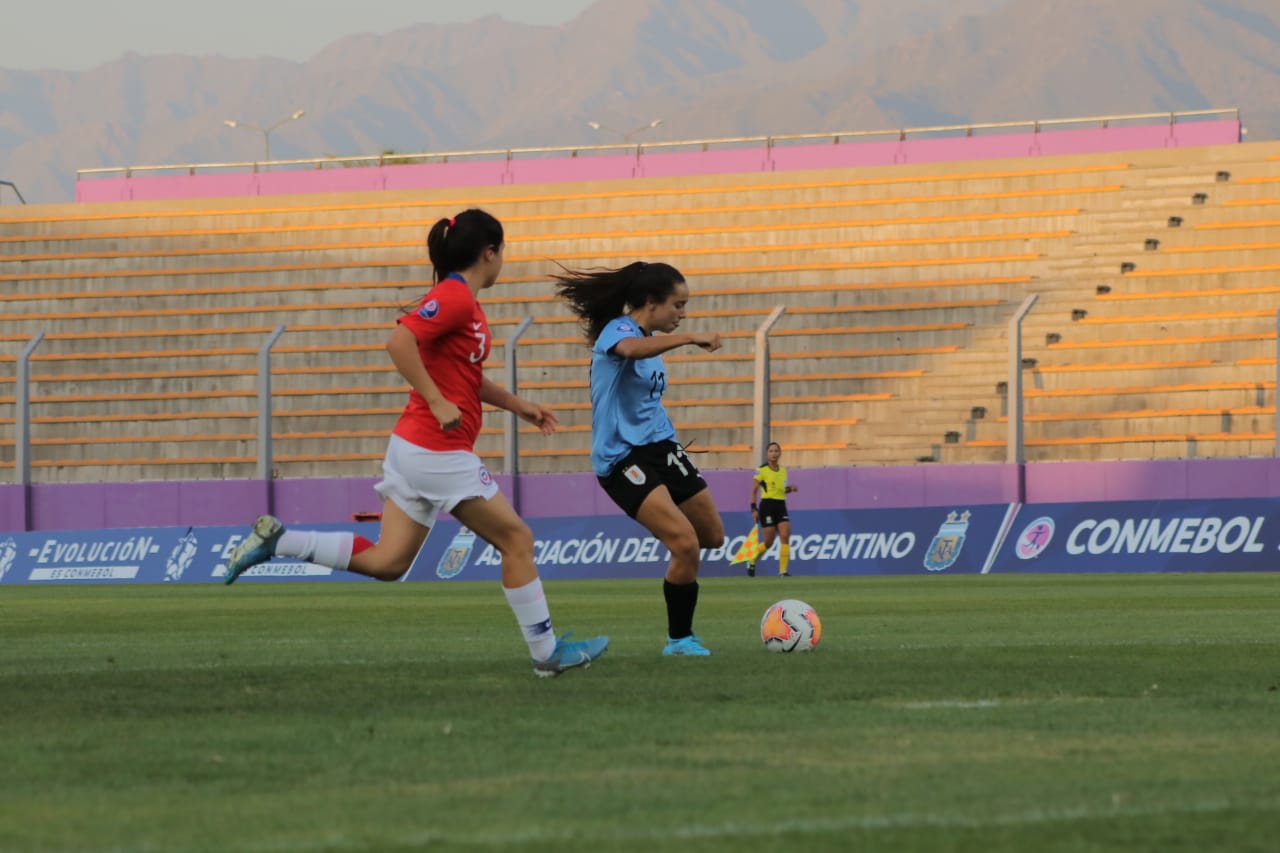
(73, 35)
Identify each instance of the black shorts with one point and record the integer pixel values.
(645, 468)
(772, 511)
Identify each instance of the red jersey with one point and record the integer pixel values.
(453, 342)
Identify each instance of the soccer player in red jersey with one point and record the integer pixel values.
(431, 467)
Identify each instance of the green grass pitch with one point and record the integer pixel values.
(1071, 713)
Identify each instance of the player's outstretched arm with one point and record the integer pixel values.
(648, 347)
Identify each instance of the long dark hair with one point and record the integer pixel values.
(455, 244)
(599, 295)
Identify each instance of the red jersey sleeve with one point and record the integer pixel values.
(446, 307)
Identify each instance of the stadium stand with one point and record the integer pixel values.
(898, 282)
(1161, 342)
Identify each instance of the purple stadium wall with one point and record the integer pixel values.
(643, 164)
(83, 506)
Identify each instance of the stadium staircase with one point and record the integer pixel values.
(1155, 334)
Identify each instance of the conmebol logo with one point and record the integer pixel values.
(1166, 536)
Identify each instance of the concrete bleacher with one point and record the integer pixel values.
(1160, 341)
(897, 282)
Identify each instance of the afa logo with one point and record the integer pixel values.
(1034, 538)
(455, 557)
(8, 553)
(945, 548)
(180, 557)
(626, 327)
(429, 310)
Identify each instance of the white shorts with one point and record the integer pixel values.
(425, 483)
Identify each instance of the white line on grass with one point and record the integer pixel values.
(762, 829)
(948, 703)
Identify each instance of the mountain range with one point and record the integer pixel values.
(706, 68)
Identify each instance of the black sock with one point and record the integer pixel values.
(682, 600)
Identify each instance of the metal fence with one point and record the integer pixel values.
(762, 142)
(11, 185)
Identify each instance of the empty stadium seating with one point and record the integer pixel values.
(898, 283)
(1160, 340)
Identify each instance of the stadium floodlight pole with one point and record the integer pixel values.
(761, 403)
(625, 134)
(266, 131)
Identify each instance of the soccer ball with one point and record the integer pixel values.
(790, 626)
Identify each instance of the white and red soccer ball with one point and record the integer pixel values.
(790, 625)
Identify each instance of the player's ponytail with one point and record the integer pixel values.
(597, 296)
(456, 244)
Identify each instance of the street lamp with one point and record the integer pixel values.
(266, 131)
(627, 134)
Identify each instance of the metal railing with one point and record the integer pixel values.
(762, 414)
(11, 185)
(766, 142)
(1015, 451)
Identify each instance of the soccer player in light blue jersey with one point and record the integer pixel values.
(630, 316)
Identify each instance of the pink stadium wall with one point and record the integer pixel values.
(643, 164)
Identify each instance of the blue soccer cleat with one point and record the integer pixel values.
(258, 547)
(570, 654)
(689, 646)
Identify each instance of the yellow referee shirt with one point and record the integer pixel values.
(773, 484)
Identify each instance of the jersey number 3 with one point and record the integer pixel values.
(478, 355)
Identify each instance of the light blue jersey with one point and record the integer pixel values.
(626, 398)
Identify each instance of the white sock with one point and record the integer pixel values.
(529, 604)
(327, 548)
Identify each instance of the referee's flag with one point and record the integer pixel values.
(749, 548)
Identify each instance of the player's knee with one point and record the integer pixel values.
(709, 529)
(387, 573)
(684, 546)
(382, 563)
(711, 538)
(390, 571)
(516, 543)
